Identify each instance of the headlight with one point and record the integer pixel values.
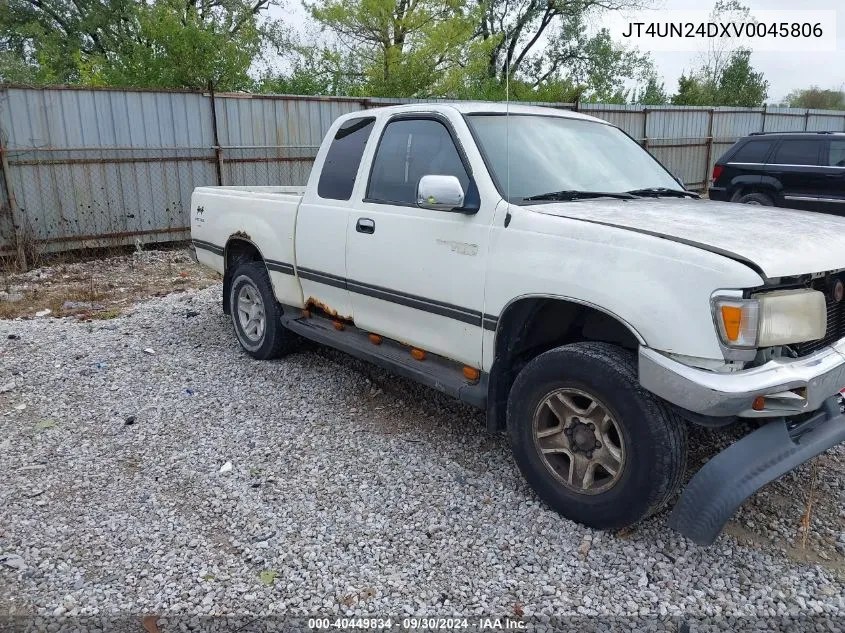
(780, 317)
(791, 316)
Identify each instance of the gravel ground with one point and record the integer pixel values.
(344, 490)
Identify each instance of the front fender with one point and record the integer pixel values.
(660, 288)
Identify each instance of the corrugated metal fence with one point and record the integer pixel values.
(101, 167)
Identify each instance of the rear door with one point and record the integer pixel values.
(323, 216)
(795, 163)
(833, 168)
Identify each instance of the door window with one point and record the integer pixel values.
(797, 152)
(836, 157)
(343, 158)
(410, 149)
(752, 152)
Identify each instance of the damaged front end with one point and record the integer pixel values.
(723, 483)
(798, 401)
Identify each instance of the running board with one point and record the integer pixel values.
(436, 372)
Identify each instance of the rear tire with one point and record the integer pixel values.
(584, 400)
(758, 199)
(256, 315)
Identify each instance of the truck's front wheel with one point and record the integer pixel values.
(593, 444)
(256, 314)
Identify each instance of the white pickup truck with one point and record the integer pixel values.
(539, 264)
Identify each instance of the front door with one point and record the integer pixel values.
(417, 275)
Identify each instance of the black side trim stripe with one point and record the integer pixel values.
(419, 303)
(464, 315)
(279, 267)
(272, 264)
(323, 278)
(208, 246)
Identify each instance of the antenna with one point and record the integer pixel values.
(507, 123)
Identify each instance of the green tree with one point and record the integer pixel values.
(694, 90)
(517, 32)
(653, 93)
(404, 46)
(737, 85)
(725, 75)
(815, 97)
(575, 66)
(157, 43)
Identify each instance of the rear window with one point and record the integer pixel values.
(343, 159)
(752, 152)
(797, 152)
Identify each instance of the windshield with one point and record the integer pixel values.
(551, 153)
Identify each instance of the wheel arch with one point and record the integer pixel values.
(239, 249)
(532, 324)
(768, 185)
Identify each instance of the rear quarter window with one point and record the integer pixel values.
(343, 159)
(752, 152)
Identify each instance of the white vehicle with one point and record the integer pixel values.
(542, 266)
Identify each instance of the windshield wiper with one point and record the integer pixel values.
(656, 192)
(573, 194)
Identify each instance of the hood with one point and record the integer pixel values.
(776, 242)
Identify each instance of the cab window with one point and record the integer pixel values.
(343, 159)
(410, 149)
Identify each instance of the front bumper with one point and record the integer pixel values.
(791, 386)
(729, 478)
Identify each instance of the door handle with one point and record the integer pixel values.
(365, 225)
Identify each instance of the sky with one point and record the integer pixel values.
(785, 71)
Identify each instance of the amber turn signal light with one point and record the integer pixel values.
(418, 354)
(732, 320)
(471, 373)
(375, 339)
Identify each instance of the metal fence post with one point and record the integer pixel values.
(645, 128)
(765, 108)
(709, 155)
(17, 219)
(218, 152)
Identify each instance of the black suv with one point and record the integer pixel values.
(800, 170)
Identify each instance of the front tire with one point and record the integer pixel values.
(592, 443)
(256, 315)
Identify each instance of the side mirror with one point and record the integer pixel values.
(440, 193)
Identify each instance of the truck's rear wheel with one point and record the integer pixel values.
(256, 314)
(593, 444)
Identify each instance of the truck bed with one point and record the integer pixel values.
(219, 214)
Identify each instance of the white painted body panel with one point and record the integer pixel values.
(266, 216)
(781, 242)
(660, 288)
(650, 263)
